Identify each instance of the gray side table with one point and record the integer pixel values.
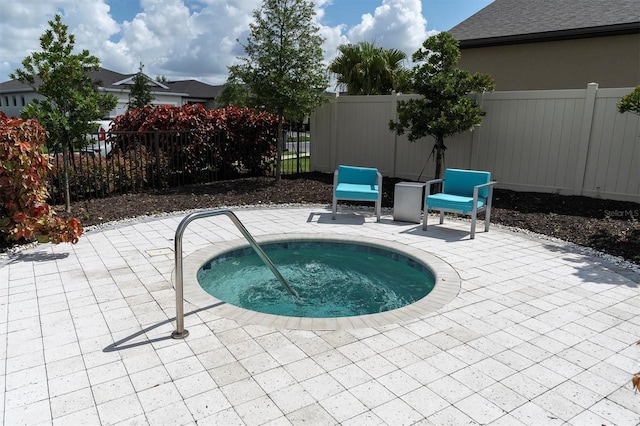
(407, 201)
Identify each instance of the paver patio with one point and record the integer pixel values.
(540, 333)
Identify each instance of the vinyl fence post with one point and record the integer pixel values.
(585, 137)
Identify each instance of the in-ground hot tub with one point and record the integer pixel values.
(343, 282)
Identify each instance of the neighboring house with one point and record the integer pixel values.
(197, 92)
(553, 44)
(15, 95)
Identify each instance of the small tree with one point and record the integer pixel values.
(71, 101)
(140, 94)
(283, 69)
(444, 108)
(630, 102)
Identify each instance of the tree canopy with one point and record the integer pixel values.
(234, 93)
(282, 70)
(367, 69)
(140, 94)
(71, 100)
(444, 108)
(630, 102)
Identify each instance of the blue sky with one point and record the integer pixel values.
(441, 15)
(182, 39)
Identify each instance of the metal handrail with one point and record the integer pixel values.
(180, 332)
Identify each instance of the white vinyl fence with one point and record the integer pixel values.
(571, 142)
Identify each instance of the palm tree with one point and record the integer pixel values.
(366, 69)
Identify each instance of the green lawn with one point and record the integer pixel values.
(290, 165)
(303, 138)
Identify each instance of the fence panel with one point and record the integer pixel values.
(127, 162)
(365, 148)
(527, 139)
(322, 129)
(613, 159)
(572, 142)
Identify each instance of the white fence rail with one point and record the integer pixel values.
(572, 142)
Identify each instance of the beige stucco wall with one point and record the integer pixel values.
(568, 64)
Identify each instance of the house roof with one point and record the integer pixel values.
(195, 88)
(112, 80)
(14, 86)
(518, 21)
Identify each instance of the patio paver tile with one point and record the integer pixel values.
(259, 411)
(149, 378)
(31, 414)
(172, 414)
(450, 389)
(532, 338)
(479, 409)
(119, 409)
(425, 401)
(313, 414)
(397, 412)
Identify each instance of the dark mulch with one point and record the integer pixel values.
(609, 226)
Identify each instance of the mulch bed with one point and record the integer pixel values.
(609, 226)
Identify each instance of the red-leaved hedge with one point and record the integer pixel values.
(230, 139)
(24, 212)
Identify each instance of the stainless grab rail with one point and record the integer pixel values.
(180, 332)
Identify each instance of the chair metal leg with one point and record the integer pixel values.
(424, 220)
(441, 217)
(474, 214)
(335, 207)
(487, 217)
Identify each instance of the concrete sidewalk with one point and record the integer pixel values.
(541, 333)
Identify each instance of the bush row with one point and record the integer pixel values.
(162, 146)
(229, 139)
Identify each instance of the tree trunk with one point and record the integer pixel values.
(65, 166)
(439, 155)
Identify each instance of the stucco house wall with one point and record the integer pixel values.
(565, 64)
(11, 103)
(553, 44)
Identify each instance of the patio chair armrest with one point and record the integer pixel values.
(432, 181)
(493, 182)
(477, 188)
(428, 185)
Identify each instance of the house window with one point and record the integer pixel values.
(15, 101)
(22, 100)
(6, 100)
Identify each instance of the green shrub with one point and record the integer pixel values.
(630, 102)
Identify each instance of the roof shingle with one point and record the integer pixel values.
(507, 18)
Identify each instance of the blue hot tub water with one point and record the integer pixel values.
(333, 279)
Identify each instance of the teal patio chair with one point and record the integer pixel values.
(467, 192)
(357, 184)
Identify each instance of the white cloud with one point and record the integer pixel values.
(397, 24)
(185, 38)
